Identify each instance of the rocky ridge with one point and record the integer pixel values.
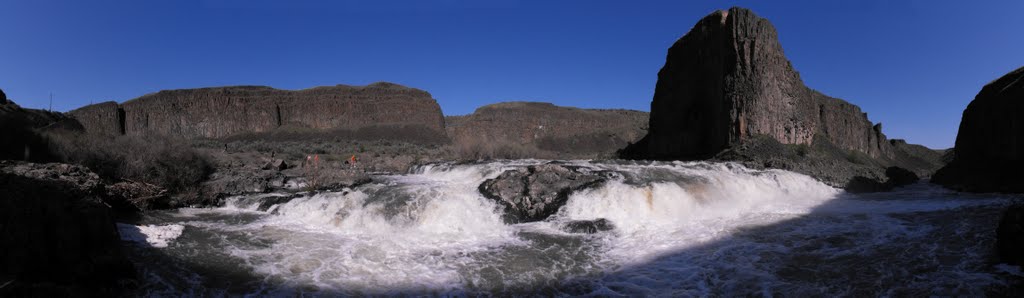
(545, 130)
(245, 110)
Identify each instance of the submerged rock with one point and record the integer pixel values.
(533, 193)
(588, 226)
(1010, 236)
(989, 152)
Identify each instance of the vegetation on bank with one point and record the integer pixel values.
(162, 161)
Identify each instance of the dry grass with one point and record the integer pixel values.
(162, 161)
(477, 149)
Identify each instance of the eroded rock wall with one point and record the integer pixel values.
(229, 111)
(559, 132)
(728, 80)
(106, 118)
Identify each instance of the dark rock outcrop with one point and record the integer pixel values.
(58, 237)
(727, 83)
(544, 130)
(989, 152)
(20, 139)
(244, 110)
(535, 192)
(896, 177)
(588, 226)
(3, 97)
(1010, 236)
(238, 179)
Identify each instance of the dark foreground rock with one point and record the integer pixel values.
(727, 84)
(241, 177)
(58, 236)
(533, 193)
(1010, 236)
(588, 226)
(989, 152)
(896, 177)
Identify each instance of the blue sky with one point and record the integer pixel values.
(912, 65)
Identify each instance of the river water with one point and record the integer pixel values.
(680, 229)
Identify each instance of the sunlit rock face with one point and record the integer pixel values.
(728, 80)
(545, 130)
(989, 148)
(237, 110)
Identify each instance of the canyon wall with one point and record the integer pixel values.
(240, 110)
(545, 130)
(728, 80)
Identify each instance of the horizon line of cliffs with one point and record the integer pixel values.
(726, 84)
(220, 112)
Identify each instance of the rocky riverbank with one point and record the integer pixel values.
(59, 236)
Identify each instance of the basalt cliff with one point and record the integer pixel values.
(224, 112)
(989, 152)
(727, 87)
(544, 130)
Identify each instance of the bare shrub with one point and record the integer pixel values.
(163, 161)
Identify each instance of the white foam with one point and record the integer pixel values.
(676, 227)
(151, 235)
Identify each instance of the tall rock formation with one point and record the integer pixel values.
(727, 80)
(989, 152)
(240, 110)
(3, 97)
(544, 130)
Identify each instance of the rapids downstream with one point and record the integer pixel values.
(680, 229)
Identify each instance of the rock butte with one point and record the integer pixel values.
(239, 110)
(728, 80)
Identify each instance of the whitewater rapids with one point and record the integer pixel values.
(681, 229)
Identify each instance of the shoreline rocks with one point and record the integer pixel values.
(59, 237)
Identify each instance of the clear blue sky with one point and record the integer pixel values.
(912, 65)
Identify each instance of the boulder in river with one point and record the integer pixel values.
(588, 226)
(534, 193)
